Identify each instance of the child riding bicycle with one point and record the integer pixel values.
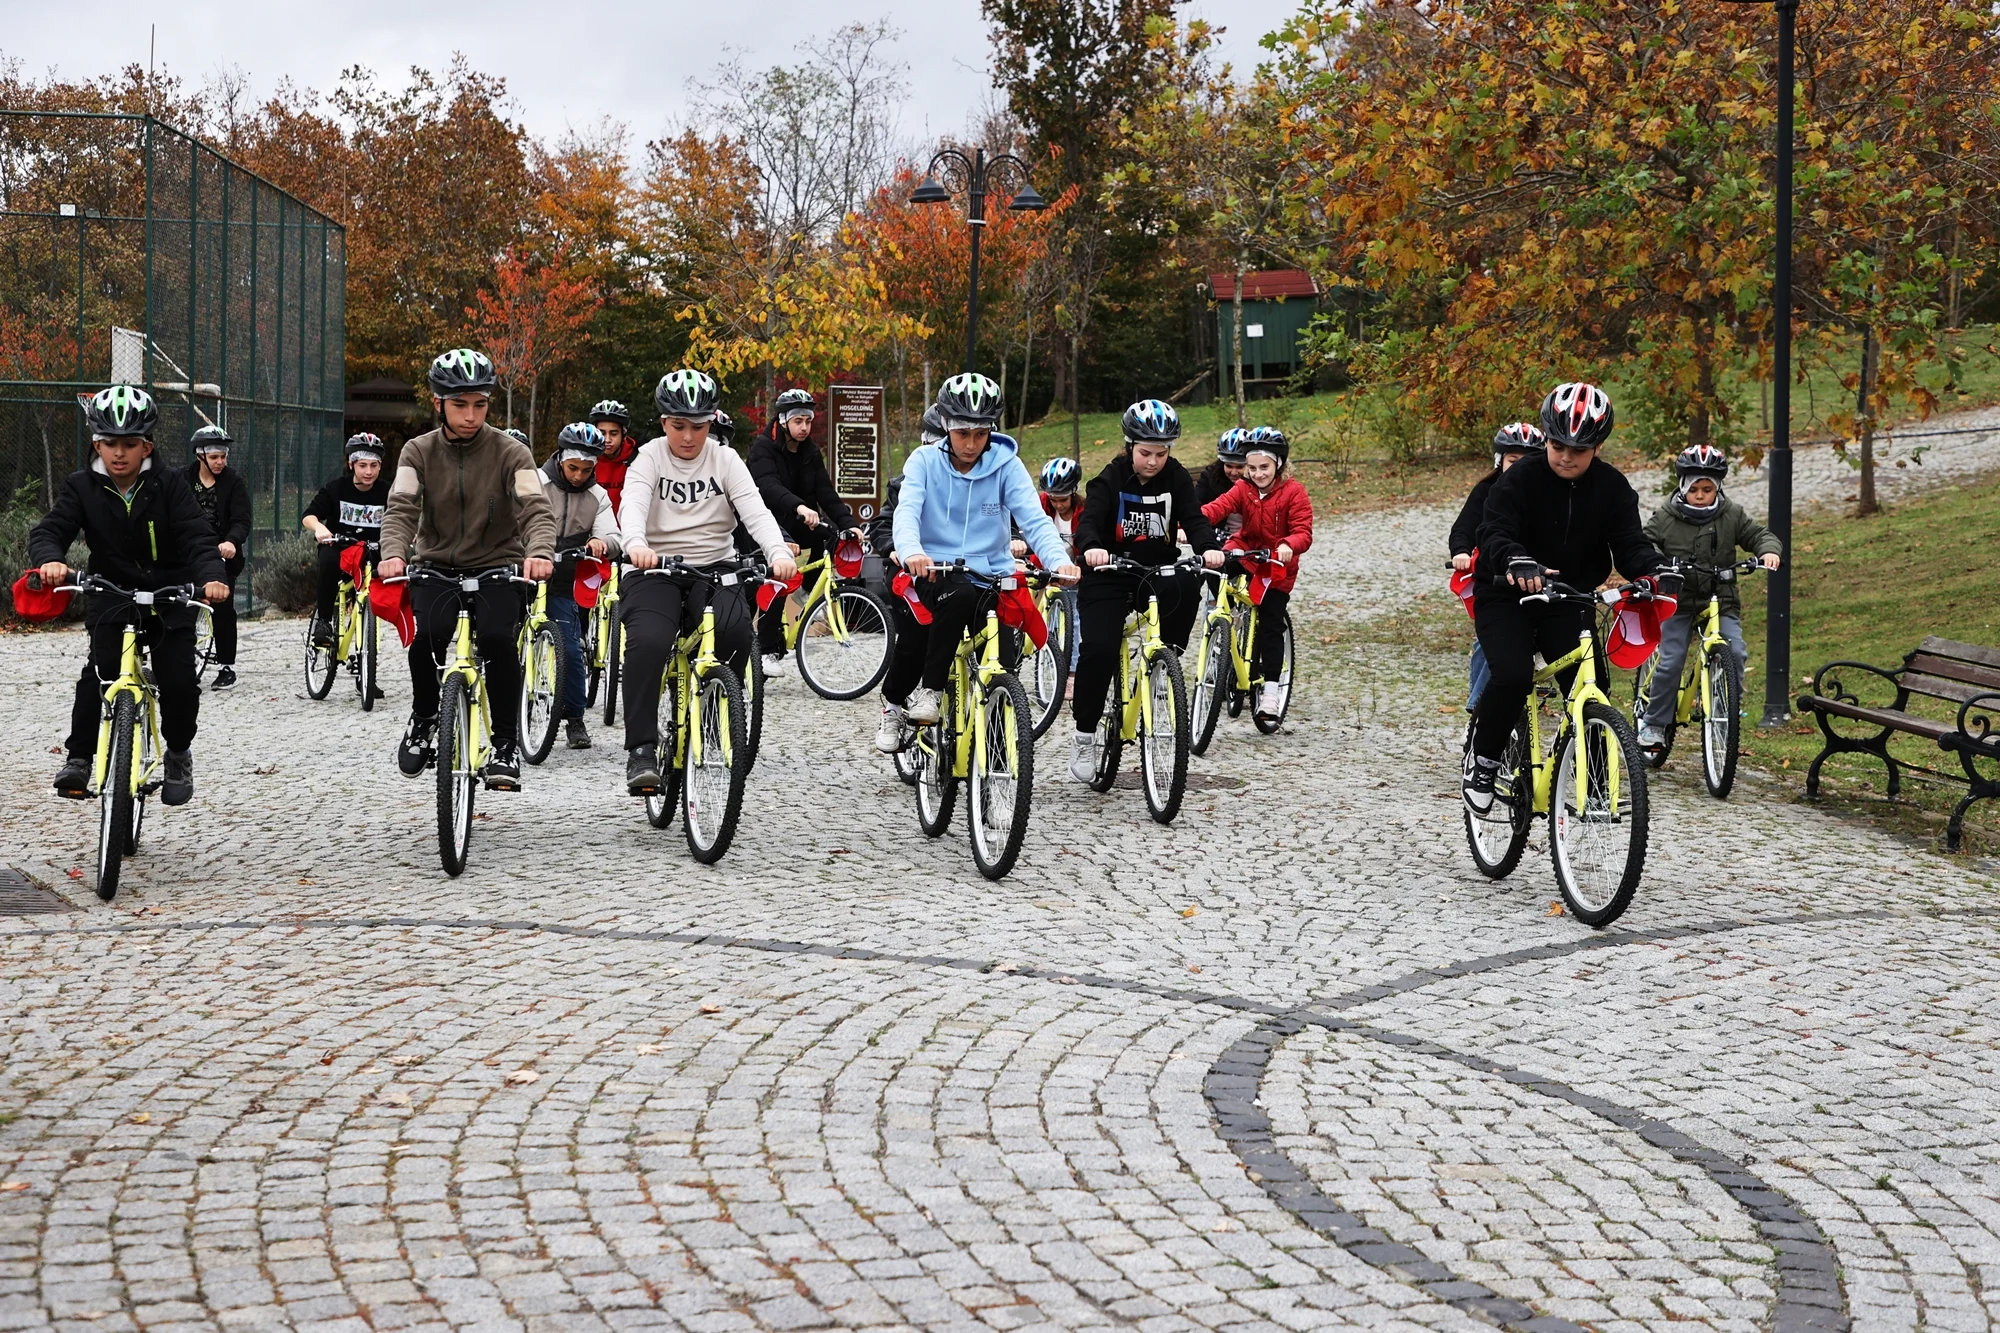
(582, 509)
(1511, 444)
(1274, 514)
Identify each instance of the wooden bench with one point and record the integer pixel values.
(1960, 674)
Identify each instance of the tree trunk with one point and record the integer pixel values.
(1865, 411)
(1063, 397)
(1027, 364)
(1701, 419)
(510, 404)
(1953, 282)
(902, 391)
(1075, 419)
(534, 384)
(927, 384)
(1003, 391)
(1236, 342)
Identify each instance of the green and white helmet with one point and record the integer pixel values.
(969, 401)
(122, 409)
(687, 394)
(461, 370)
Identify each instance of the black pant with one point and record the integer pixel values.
(923, 653)
(771, 621)
(1511, 634)
(222, 616)
(1273, 614)
(656, 612)
(169, 637)
(1102, 603)
(327, 582)
(496, 629)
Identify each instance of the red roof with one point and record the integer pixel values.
(1267, 285)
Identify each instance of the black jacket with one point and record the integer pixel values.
(1465, 528)
(882, 528)
(160, 539)
(227, 508)
(1578, 527)
(1211, 483)
(1136, 519)
(788, 478)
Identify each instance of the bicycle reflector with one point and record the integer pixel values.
(847, 558)
(34, 602)
(1635, 628)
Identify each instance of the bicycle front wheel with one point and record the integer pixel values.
(1269, 722)
(844, 643)
(662, 800)
(755, 687)
(1215, 679)
(145, 748)
(614, 667)
(365, 676)
(1498, 837)
(541, 694)
(204, 640)
(1163, 744)
(1048, 671)
(321, 666)
(593, 670)
(1598, 817)
(713, 771)
(1001, 791)
(457, 777)
(1110, 735)
(115, 798)
(1644, 681)
(1720, 728)
(937, 786)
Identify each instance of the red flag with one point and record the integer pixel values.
(905, 587)
(1635, 628)
(591, 574)
(847, 558)
(38, 603)
(1461, 584)
(351, 558)
(1261, 574)
(1018, 611)
(771, 590)
(391, 601)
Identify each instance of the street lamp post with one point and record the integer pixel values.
(1778, 585)
(978, 170)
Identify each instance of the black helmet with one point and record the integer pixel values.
(366, 445)
(722, 427)
(519, 434)
(791, 401)
(1518, 437)
(1702, 460)
(461, 370)
(1229, 449)
(687, 394)
(207, 438)
(933, 428)
(1268, 440)
(1151, 421)
(969, 400)
(1577, 416)
(580, 437)
(122, 409)
(610, 409)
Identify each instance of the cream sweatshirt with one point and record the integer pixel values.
(691, 506)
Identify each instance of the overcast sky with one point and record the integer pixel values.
(566, 64)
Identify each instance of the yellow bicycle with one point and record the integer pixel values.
(129, 751)
(1711, 690)
(1045, 674)
(842, 635)
(704, 751)
(604, 649)
(1574, 759)
(1148, 703)
(984, 737)
(355, 630)
(1228, 660)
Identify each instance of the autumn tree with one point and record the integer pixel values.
(531, 320)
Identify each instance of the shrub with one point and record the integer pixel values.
(284, 571)
(21, 514)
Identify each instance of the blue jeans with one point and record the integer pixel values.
(1675, 636)
(1476, 672)
(568, 617)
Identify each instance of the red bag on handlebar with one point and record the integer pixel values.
(351, 559)
(1018, 611)
(1461, 584)
(391, 601)
(771, 590)
(38, 604)
(905, 587)
(1635, 628)
(591, 574)
(847, 558)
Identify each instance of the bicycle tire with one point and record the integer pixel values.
(593, 674)
(457, 782)
(937, 786)
(1642, 689)
(114, 799)
(1213, 681)
(204, 639)
(541, 694)
(1167, 686)
(996, 844)
(145, 747)
(365, 677)
(1049, 670)
(1497, 844)
(1286, 673)
(1239, 631)
(614, 668)
(1609, 741)
(662, 801)
(1110, 735)
(1721, 730)
(905, 763)
(709, 819)
(321, 666)
(755, 687)
(831, 668)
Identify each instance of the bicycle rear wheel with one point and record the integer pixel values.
(593, 672)
(145, 748)
(1163, 746)
(1269, 723)
(712, 780)
(937, 787)
(1213, 681)
(844, 643)
(755, 687)
(1598, 843)
(365, 677)
(662, 800)
(541, 694)
(1000, 793)
(1048, 671)
(1643, 684)
(1498, 837)
(204, 640)
(321, 664)
(457, 778)
(614, 666)
(1721, 727)
(1110, 735)
(114, 798)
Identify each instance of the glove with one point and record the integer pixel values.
(1523, 568)
(1666, 583)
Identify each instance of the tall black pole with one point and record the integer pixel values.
(1778, 586)
(977, 219)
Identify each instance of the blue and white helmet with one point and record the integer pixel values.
(1229, 449)
(1151, 421)
(1267, 440)
(1060, 476)
(579, 440)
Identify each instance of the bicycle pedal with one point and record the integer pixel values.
(148, 788)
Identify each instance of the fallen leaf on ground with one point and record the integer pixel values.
(1194, 967)
(1189, 911)
(13, 1185)
(406, 1059)
(326, 1059)
(396, 1097)
(1065, 981)
(1555, 909)
(711, 1008)
(75, 873)
(1222, 1224)
(143, 1118)
(524, 1076)
(647, 1048)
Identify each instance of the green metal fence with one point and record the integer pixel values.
(132, 252)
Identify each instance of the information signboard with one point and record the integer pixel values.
(854, 439)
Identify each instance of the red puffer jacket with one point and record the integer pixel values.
(1285, 515)
(611, 471)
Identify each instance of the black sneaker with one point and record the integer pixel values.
(503, 770)
(642, 771)
(1478, 787)
(177, 787)
(74, 779)
(579, 735)
(225, 679)
(419, 746)
(322, 633)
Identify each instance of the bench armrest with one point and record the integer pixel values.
(1979, 721)
(1827, 683)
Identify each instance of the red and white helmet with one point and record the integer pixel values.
(1577, 415)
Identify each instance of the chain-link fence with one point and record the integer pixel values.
(131, 252)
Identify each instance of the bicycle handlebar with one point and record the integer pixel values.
(677, 566)
(466, 582)
(1123, 565)
(97, 585)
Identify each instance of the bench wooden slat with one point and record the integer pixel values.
(1955, 691)
(1928, 727)
(1966, 652)
(1949, 668)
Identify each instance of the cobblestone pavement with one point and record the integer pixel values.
(1289, 1064)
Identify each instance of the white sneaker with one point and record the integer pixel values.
(889, 737)
(922, 708)
(1270, 699)
(1083, 757)
(1651, 738)
(774, 664)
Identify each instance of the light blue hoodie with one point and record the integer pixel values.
(951, 515)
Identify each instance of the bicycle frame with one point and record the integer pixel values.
(538, 616)
(131, 683)
(350, 606)
(973, 668)
(599, 630)
(821, 589)
(1138, 706)
(1694, 681)
(692, 661)
(1234, 594)
(1584, 689)
(465, 665)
